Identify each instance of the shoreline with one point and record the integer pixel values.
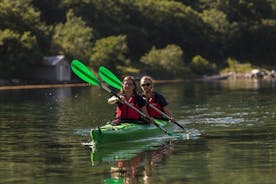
(42, 86)
(222, 77)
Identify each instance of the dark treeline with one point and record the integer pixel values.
(175, 37)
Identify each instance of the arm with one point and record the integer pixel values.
(115, 99)
(167, 111)
(162, 100)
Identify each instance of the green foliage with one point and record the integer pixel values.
(127, 70)
(169, 22)
(241, 10)
(18, 15)
(54, 6)
(200, 65)
(216, 19)
(15, 50)
(20, 34)
(21, 16)
(244, 29)
(73, 38)
(168, 61)
(237, 67)
(111, 52)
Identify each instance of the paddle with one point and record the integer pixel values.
(85, 74)
(113, 81)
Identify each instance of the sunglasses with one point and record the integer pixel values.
(147, 84)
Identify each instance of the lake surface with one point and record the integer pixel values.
(232, 126)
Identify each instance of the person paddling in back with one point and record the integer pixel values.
(129, 95)
(156, 101)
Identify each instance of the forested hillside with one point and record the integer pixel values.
(173, 37)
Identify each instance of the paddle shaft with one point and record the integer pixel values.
(165, 115)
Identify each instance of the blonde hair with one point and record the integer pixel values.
(146, 77)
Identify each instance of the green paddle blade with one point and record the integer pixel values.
(84, 73)
(107, 76)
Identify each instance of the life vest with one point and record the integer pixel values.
(152, 112)
(125, 112)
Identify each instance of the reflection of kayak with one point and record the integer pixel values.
(136, 160)
(124, 150)
(122, 142)
(126, 170)
(127, 131)
(141, 164)
(114, 181)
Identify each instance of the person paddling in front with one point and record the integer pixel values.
(157, 104)
(128, 94)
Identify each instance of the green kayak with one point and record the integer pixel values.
(127, 131)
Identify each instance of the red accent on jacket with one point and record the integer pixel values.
(153, 112)
(125, 112)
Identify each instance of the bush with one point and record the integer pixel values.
(200, 65)
(111, 51)
(237, 67)
(73, 38)
(16, 49)
(168, 61)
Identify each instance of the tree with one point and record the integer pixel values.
(200, 65)
(216, 19)
(73, 38)
(111, 51)
(15, 50)
(168, 61)
(54, 6)
(244, 10)
(20, 34)
(18, 15)
(169, 22)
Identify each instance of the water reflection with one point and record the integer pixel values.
(41, 132)
(138, 169)
(248, 84)
(133, 161)
(54, 94)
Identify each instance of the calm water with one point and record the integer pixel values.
(233, 126)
